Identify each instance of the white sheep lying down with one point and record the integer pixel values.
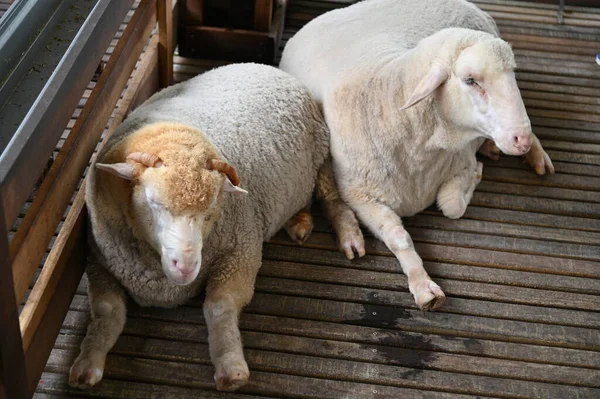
(167, 207)
(410, 90)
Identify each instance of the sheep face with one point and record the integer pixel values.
(476, 92)
(483, 84)
(174, 207)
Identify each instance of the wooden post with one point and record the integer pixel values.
(263, 11)
(166, 41)
(13, 376)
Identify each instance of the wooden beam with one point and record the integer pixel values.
(144, 82)
(263, 11)
(276, 31)
(13, 377)
(166, 45)
(71, 234)
(39, 326)
(44, 336)
(237, 45)
(192, 11)
(226, 44)
(37, 229)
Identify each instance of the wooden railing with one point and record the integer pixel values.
(26, 339)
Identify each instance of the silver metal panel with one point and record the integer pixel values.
(34, 139)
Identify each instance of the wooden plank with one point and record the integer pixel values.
(530, 75)
(552, 5)
(586, 164)
(439, 251)
(196, 356)
(539, 192)
(577, 116)
(386, 317)
(53, 271)
(553, 133)
(263, 11)
(466, 241)
(49, 325)
(566, 124)
(200, 376)
(529, 204)
(13, 374)
(319, 326)
(54, 385)
(530, 218)
(383, 288)
(582, 94)
(504, 229)
(528, 177)
(426, 322)
(536, 9)
(561, 106)
(142, 336)
(576, 147)
(490, 275)
(166, 41)
(143, 84)
(73, 158)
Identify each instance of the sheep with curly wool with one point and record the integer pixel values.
(167, 208)
(410, 90)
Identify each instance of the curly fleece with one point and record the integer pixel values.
(261, 121)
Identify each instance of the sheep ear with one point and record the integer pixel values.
(123, 169)
(434, 78)
(230, 188)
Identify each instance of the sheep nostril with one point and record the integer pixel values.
(176, 264)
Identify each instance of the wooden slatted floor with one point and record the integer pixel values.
(521, 271)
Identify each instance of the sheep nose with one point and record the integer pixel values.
(522, 142)
(184, 268)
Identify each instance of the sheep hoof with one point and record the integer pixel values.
(352, 244)
(300, 226)
(87, 371)
(539, 161)
(428, 295)
(231, 376)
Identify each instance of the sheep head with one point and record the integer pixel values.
(474, 87)
(175, 203)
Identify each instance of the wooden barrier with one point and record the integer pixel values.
(230, 30)
(27, 339)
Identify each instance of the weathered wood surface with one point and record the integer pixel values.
(521, 271)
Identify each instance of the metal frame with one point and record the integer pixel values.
(33, 141)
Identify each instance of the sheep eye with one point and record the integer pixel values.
(470, 82)
(153, 202)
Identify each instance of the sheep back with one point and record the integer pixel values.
(370, 34)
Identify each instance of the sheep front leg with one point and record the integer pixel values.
(300, 226)
(454, 195)
(490, 150)
(387, 226)
(107, 300)
(342, 217)
(538, 159)
(225, 299)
